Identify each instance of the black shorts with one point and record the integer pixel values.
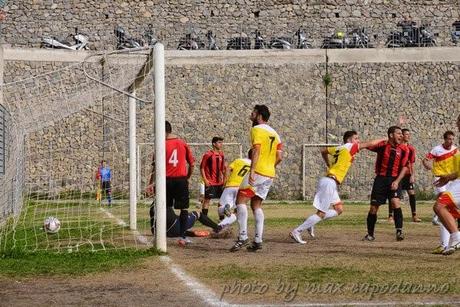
(381, 190)
(106, 187)
(406, 184)
(177, 193)
(213, 191)
(174, 230)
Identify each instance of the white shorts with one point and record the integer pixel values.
(439, 190)
(454, 190)
(326, 194)
(260, 187)
(229, 196)
(451, 198)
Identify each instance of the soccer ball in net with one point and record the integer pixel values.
(51, 225)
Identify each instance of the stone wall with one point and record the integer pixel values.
(30, 20)
(209, 96)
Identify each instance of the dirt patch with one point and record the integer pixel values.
(147, 285)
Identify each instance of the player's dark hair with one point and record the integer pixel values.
(263, 111)
(392, 129)
(216, 139)
(348, 134)
(168, 127)
(447, 133)
(405, 130)
(250, 153)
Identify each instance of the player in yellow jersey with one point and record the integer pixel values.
(442, 157)
(326, 191)
(266, 154)
(236, 172)
(447, 206)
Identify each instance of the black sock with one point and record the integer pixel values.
(221, 217)
(398, 218)
(205, 211)
(183, 222)
(371, 220)
(205, 220)
(413, 204)
(390, 211)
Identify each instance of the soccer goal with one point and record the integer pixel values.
(56, 128)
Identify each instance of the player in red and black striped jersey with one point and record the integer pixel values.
(178, 155)
(213, 169)
(407, 183)
(390, 168)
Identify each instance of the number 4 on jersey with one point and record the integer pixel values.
(173, 158)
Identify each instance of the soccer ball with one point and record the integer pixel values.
(51, 225)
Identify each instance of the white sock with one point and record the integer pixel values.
(242, 216)
(228, 220)
(259, 217)
(330, 214)
(445, 236)
(455, 238)
(309, 222)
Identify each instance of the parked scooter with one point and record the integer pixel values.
(80, 42)
(297, 41)
(456, 32)
(124, 41)
(411, 36)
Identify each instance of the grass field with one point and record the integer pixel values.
(334, 267)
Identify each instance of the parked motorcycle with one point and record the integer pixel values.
(297, 41)
(80, 42)
(411, 36)
(124, 41)
(356, 38)
(191, 41)
(456, 32)
(239, 43)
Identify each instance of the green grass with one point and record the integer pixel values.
(21, 264)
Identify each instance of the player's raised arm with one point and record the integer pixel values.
(369, 144)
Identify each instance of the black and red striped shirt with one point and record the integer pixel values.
(213, 164)
(411, 157)
(390, 159)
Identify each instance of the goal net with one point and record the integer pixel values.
(55, 128)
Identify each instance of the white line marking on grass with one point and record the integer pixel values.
(210, 298)
(202, 291)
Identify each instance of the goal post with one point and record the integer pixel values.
(160, 153)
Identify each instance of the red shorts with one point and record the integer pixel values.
(445, 200)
